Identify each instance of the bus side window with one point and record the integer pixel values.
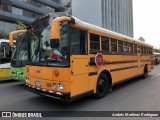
(120, 46)
(131, 48)
(79, 43)
(94, 42)
(126, 47)
(135, 48)
(113, 45)
(145, 50)
(139, 49)
(105, 44)
(142, 49)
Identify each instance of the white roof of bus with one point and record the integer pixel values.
(155, 53)
(85, 24)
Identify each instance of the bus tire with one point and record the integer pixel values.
(102, 86)
(145, 73)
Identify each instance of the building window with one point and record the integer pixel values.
(79, 43)
(105, 43)
(29, 14)
(17, 11)
(94, 42)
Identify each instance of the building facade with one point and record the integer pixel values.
(26, 11)
(115, 15)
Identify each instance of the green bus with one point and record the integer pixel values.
(20, 55)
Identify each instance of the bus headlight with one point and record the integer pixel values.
(54, 86)
(60, 87)
(27, 80)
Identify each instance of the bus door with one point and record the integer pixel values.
(79, 61)
(139, 60)
(79, 73)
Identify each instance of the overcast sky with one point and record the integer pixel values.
(146, 19)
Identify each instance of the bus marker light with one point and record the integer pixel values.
(56, 73)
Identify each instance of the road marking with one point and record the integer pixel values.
(155, 76)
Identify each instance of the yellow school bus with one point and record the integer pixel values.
(70, 58)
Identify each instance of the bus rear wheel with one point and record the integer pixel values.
(102, 86)
(145, 73)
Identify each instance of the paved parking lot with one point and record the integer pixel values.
(134, 95)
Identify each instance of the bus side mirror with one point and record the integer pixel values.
(55, 34)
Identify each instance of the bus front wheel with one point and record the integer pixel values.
(102, 86)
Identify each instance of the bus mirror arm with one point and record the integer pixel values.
(55, 26)
(11, 35)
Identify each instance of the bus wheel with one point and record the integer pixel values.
(102, 86)
(144, 76)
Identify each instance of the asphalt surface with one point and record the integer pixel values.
(134, 95)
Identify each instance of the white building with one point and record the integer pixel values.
(115, 15)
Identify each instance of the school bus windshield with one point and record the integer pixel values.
(41, 51)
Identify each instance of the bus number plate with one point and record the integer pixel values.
(48, 85)
(38, 83)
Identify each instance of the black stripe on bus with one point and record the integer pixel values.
(113, 53)
(124, 68)
(5, 68)
(146, 60)
(93, 73)
(92, 61)
(124, 61)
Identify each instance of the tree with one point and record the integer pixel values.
(20, 25)
(4, 35)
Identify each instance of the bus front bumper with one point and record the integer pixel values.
(64, 97)
(18, 77)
